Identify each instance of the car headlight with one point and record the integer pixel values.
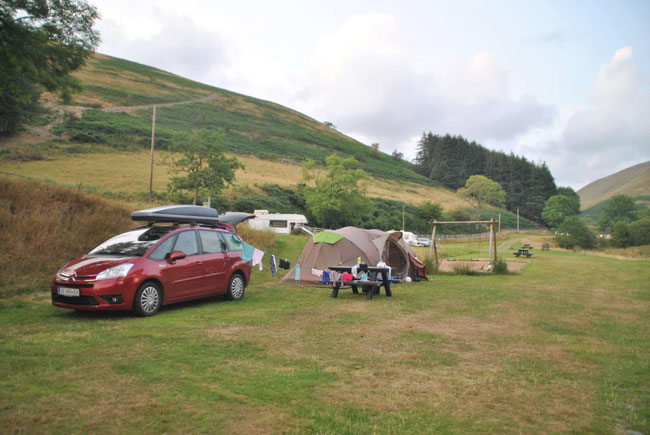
(115, 271)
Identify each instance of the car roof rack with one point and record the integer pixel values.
(190, 214)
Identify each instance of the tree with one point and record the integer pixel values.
(480, 191)
(572, 195)
(618, 208)
(397, 155)
(558, 208)
(330, 125)
(41, 43)
(207, 170)
(429, 211)
(639, 232)
(337, 197)
(573, 232)
(620, 235)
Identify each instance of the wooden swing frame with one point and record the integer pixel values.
(493, 237)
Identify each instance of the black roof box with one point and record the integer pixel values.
(188, 214)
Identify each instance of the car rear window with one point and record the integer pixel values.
(212, 242)
(234, 243)
(134, 243)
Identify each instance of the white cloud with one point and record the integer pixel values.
(612, 130)
(364, 79)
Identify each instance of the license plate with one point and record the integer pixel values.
(66, 291)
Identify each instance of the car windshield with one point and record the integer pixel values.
(134, 243)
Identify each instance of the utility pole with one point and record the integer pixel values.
(517, 220)
(153, 137)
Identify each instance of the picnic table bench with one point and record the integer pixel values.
(378, 278)
(527, 246)
(523, 251)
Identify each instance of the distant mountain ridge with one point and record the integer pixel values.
(633, 181)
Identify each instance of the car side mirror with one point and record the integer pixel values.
(176, 255)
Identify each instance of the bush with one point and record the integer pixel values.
(463, 269)
(500, 268)
(430, 265)
(573, 232)
(261, 239)
(639, 232)
(620, 236)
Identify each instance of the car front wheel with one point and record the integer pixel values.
(236, 288)
(148, 299)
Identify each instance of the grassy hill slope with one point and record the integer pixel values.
(122, 92)
(633, 181)
(99, 141)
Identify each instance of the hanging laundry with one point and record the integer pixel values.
(235, 241)
(317, 272)
(247, 252)
(347, 277)
(284, 264)
(273, 266)
(354, 270)
(257, 257)
(297, 272)
(326, 277)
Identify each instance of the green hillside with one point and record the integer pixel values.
(633, 181)
(592, 214)
(252, 126)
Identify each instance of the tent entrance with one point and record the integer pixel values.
(394, 257)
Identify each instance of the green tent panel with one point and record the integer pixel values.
(327, 237)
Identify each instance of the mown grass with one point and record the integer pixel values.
(562, 347)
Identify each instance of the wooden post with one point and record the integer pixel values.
(494, 239)
(435, 248)
(153, 136)
(490, 244)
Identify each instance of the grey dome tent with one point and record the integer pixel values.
(348, 245)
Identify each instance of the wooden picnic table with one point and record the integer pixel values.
(369, 287)
(524, 252)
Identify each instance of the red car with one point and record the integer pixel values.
(154, 265)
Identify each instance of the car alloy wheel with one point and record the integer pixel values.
(236, 288)
(148, 299)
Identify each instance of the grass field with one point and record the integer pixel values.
(562, 347)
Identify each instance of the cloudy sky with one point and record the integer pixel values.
(566, 82)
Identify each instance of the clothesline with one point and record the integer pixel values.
(255, 255)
